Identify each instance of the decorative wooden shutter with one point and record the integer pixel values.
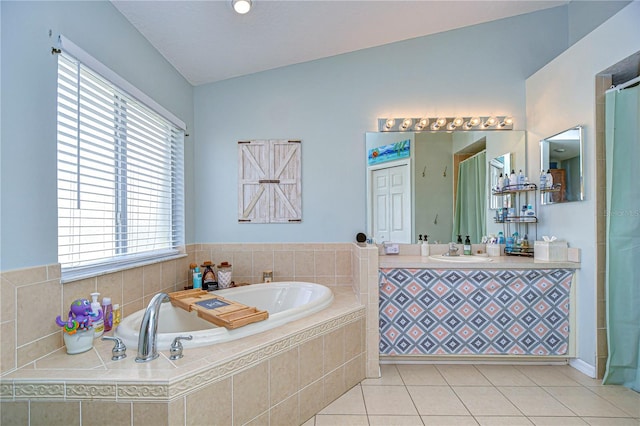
(253, 167)
(269, 182)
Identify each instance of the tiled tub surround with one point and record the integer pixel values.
(282, 376)
(26, 338)
(474, 311)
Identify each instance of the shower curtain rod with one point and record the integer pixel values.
(474, 155)
(625, 85)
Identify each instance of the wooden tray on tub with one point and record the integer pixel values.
(217, 310)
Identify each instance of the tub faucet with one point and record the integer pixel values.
(147, 348)
(453, 250)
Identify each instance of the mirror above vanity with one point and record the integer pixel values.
(561, 157)
(417, 194)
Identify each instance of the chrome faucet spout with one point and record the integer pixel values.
(453, 250)
(147, 340)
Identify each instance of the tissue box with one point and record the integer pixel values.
(550, 251)
(495, 250)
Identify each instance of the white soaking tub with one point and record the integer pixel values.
(285, 302)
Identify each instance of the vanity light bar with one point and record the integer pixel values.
(445, 124)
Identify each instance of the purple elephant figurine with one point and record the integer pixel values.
(80, 316)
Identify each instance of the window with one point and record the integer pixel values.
(120, 176)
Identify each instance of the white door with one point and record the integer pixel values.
(391, 208)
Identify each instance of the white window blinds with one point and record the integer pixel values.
(120, 176)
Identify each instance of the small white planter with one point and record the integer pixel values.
(79, 342)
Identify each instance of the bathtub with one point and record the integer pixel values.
(285, 302)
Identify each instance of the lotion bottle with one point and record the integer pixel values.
(513, 180)
(500, 183)
(467, 246)
(107, 311)
(424, 247)
(543, 180)
(197, 278)
(98, 326)
(520, 180)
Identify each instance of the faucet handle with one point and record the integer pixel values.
(176, 347)
(119, 351)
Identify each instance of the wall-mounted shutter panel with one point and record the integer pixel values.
(269, 181)
(253, 167)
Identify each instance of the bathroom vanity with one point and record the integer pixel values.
(474, 305)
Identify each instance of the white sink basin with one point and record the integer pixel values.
(461, 259)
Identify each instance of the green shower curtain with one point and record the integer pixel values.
(471, 199)
(623, 237)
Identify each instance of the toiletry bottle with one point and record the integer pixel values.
(500, 183)
(500, 238)
(98, 326)
(520, 180)
(116, 314)
(543, 180)
(424, 247)
(107, 311)
(506, 182)
(197, 278)
(523, 212)
(467, 246)
(513, 180)
(549, 179)
(531, 214)
(459, 239)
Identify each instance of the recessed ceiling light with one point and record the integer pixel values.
(241, 6)
(559, 150)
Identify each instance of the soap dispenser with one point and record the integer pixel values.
(467, 246)
(424, 247)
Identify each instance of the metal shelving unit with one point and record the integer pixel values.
(517, 223)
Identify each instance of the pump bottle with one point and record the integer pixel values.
(424, 247)
(467, 246)
(107, 311)
(98, 325)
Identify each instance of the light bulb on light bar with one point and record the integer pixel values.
(388, 125)
(451, 125)
(458, 121)
(490, 122)
(421, 124)
(472, 123)
(241, 6)
(441, 121)
(406, 123)
(507, 121)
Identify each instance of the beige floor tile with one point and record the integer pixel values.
(557, 421)
(395, 421)
(389, 377)
(437, 401)
(310, 422)
(504, 375)
(503, 421)
(485, 401)
(545, 375)
(388, 400)
(623, 398)
(579, 377)
(421, 375)
(534, 401)
(449, 421)
(585, 403)
(352, 402)
(462, 375)
(341, 420)
(610, 421)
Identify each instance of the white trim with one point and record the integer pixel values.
(72, 49)
(583, 367)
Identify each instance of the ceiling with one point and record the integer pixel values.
(206, 41)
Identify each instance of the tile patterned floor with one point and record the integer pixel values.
(482, 395)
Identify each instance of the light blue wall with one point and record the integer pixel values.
(562, 95)
(28, 158)
(585, 16)
(331, 103)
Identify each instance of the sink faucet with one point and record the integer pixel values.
(147, 348)
(453, 250)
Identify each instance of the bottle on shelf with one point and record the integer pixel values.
(520, 180)
(543, 180)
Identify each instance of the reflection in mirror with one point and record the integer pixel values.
(433, 170)
(561, 158)
(498, 166)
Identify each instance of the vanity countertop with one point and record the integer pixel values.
(501, 262)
